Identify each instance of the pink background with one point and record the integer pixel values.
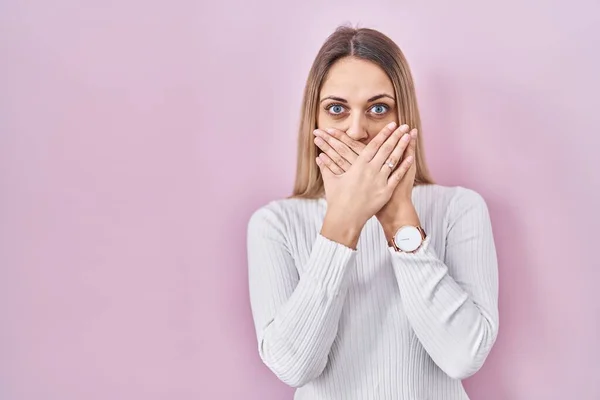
(136, 137)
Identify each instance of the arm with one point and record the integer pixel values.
(453, 306)
(296, 317)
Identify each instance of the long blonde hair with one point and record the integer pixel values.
(366, 44)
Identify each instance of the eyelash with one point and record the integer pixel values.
(341, 105)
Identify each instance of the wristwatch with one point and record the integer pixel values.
(408, 239)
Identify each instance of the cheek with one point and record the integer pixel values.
(376, 126)
(325, 121)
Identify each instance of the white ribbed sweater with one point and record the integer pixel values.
(372, 323)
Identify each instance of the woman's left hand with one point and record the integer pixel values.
(340, 151)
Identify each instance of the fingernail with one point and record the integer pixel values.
(330, 131)
(404, 128)
(316, 132)
(414, 132)
(410, 159)
(405, 137)
(391, 125)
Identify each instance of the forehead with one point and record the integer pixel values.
(355, 79)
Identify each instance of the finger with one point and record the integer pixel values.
(402, 149)
(354, 145)
(329, 163)
(398, 174)
(398, 138)
(340, 147)
(374, 145)
(342, 161)
(326, 172)
(412, 147)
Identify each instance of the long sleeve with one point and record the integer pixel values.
(452, 306)
(295, 315)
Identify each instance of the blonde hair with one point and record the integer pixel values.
(366, 44)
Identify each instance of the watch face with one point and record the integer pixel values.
(408, 238)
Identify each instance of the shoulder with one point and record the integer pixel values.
(450, 197)
(279, 214)
(450, 203)
(465, 199)
(465, 206)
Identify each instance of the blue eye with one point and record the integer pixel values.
(379, 108)
(335, 109)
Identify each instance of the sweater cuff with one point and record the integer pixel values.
(329, 263)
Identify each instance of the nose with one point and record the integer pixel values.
(358, 127)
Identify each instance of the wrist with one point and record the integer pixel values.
(406, 214)
(342, 230)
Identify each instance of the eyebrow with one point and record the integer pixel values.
(377, 97)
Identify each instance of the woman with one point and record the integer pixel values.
(371, 281)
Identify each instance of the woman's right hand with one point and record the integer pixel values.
(358, 194)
